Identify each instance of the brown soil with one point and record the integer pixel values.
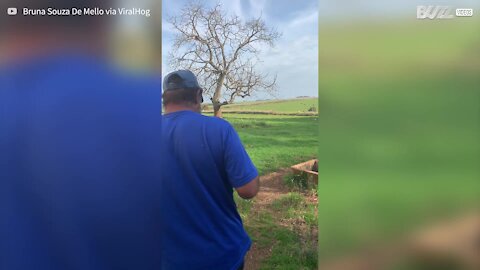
(271, 189)
(453, 242)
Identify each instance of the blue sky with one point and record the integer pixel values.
(294, 58)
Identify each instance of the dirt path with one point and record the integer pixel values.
(272, 188)
(457, 239)
(454, 242)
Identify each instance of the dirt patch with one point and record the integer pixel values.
(456, 242)
(450, 244)
(255, 256)
(272, 188)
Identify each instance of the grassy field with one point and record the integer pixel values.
(275, 142)
(399, 130)
(283, 106)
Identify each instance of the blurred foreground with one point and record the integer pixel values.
(399, 147)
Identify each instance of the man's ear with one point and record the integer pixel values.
(200, 91)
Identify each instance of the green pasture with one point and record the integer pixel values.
(275, 142)
(399, 129)
(283, 106)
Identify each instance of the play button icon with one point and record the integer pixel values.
(12, 11)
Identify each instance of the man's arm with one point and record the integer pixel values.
(241, 173)
(250, 189)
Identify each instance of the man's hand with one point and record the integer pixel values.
(249, 190)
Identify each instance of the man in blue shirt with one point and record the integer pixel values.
(79, 148)
(203, 161)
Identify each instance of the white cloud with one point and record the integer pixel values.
(295, 57)
(236, 8)
(257, 7)
(305, 18)
(296, 66)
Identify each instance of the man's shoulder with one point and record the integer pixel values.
(213, 126)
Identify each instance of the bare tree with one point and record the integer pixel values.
(222, 51)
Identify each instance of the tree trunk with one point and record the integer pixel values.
(217, 105)
(217, 110)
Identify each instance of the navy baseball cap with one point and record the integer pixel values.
(180, 79)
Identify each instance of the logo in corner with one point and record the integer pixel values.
(434, 12)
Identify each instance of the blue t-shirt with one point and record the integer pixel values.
(204, 160)
(79, 166)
